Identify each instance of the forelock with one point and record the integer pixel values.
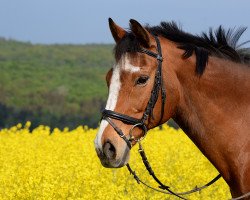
(128, 43)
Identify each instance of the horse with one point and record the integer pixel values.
(200, 81)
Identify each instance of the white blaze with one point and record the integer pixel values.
(128, 67)
(114, 88)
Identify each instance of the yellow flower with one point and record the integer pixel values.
(27, 124)
(41, 165)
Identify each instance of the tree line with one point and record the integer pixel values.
(55, 85)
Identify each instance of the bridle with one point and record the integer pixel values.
(158, 86)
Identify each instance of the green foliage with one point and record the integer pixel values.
(56, 85)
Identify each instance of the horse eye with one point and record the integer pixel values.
(142, 80)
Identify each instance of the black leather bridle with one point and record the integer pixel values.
(108, 115)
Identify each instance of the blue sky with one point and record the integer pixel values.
(86, 21)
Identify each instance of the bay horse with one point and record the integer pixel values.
(201, 81)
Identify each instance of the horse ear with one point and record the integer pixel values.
(144, 37)
(117, 32)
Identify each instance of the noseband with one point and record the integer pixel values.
(108, 115)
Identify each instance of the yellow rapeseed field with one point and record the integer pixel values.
(62, 164)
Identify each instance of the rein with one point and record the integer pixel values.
(161, 188)
(108, 115)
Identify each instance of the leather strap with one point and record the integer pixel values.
(124, 118)
(119, 132)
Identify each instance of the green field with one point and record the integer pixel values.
(55, 85)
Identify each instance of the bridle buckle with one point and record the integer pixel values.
(160, 58)
(142, 127)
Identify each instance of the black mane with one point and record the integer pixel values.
(221, 43)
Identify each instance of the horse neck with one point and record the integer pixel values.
(216, 98)
(210, 110)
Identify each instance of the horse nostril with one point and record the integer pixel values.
(109, 150)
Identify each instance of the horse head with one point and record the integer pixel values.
(137, 93)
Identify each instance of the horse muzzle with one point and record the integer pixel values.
(111, 157)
